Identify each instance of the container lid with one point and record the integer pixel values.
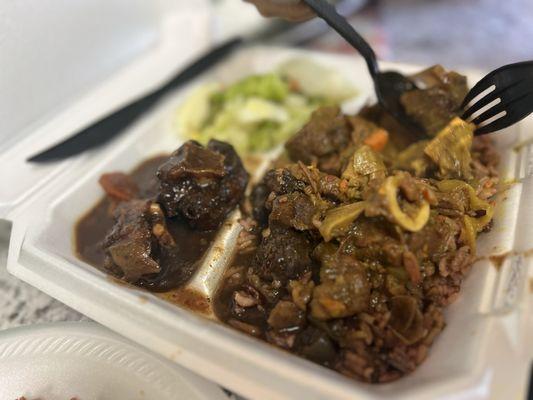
(86, 361)
(66, 64)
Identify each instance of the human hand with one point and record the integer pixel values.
(292, 10)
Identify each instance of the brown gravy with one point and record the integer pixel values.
(188, 298)
(176, 268)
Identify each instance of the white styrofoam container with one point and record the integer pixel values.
(486, 326)
(84, 360)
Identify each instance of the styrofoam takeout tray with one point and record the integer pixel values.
(485, 326)
(85, 361)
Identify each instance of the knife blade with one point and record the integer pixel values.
(105, 129)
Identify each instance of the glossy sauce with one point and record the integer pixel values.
(223, 302)
(177, 266)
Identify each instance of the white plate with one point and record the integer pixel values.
(88, 362)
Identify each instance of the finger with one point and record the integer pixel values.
(291, 12)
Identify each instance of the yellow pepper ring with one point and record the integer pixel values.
(412, 224)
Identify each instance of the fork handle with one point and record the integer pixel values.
(329, 14)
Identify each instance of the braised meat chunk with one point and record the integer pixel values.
(275, 182)
(153, 232)
(359, 241)
(283, 255)
(437, 100)
(202, 185)
(321, 140)
(139, 240)
(130, 246)
(344, 288)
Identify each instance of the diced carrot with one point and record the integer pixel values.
(119, 186)
(377, 139)
(343, 185)
(489, 183)
(294, 85)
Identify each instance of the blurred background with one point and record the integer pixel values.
(456, 33)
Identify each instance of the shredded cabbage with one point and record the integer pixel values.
(258, 112)
(330, 84)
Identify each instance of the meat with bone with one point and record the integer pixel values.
(131, 246)
(202, 184)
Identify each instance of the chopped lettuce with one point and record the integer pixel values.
(317, 81)
(193, 113)
(253, 114)
(268, 86)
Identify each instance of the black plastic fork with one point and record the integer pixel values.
(513, 83)
(388, 85)
(510, 89)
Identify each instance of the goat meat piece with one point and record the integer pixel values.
(437, 101)
(325, 136)
(344, 289)
(278, 181)
(283, 255)
(202, 185)
(294, 210)
(130, 243)
(282, 181)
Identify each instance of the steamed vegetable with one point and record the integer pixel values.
(338, 220)
(450, 150)
(317, 81)
(267, 87)
(260, 111)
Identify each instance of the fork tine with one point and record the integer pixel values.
(478, 88)
(517, 109)
(508, 96)
(490, 97)
(500, 123)
(491, 112)
(478, 105)
(518, 71)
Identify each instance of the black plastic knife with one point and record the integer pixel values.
(105, 129)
